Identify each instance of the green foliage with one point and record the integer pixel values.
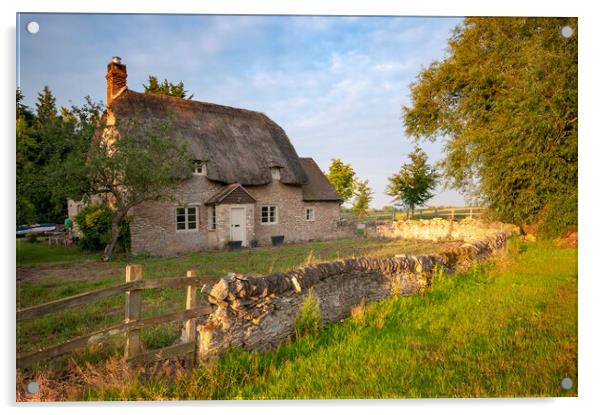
(342, 178)
(310, 315)
(94, 222)
(45, 107)
(414, 184)
(560, 215)
(166, 88)
(363, 196)
(44, 142)
(505, 102)
(118, 165)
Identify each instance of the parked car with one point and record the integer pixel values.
(37, 228)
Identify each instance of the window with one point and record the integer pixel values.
(212, 218)
(275, 173)
(309, 214)
(268, 214)
(185, 218)
(200, 168)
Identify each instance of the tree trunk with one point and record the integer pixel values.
(115, 231)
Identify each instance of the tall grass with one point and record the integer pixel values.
(310, 315)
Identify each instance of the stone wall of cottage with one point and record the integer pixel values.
(153, 228)
(291, 215)
(259, 313)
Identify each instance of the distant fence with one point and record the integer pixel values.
(132, 323)
(450, 213)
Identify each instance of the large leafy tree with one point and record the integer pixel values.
(363, 196)
(504, 101)
(342, 178)
(117, 165)
(166, 88)
(414, 184)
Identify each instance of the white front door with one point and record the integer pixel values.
(237, 225)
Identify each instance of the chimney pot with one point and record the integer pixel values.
(116, 59)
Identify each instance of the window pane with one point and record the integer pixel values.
(264, 213)
(180, 211)
(181, 218)
(181, 226)
(272, 214)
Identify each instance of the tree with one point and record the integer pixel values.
(45, 107)
(342, 178)
(414, 183)
(363, 196)
(166, 88)
(505, 103)
(117, 165)
(25, 153)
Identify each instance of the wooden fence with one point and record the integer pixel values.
(134, 351)
(453, 213)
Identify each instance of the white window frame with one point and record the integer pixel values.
(187, 227)
(200, 168)
(212, 222)
(313, 214)
(269, 207)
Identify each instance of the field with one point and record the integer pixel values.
(48, 273)
(505, 328)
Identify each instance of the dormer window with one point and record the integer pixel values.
(200, 168)
(275, 173)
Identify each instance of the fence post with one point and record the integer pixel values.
(190, 324)
(133, 308)
(470, 213)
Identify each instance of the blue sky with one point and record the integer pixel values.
(335, 84)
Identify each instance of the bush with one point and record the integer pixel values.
(308, 320)
(94, 222)
(560, 215)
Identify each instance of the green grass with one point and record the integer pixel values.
(507, 328)
(41, 253)
(49, 281)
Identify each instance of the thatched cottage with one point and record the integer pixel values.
(248, 185)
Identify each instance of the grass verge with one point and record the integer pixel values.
(504, 329)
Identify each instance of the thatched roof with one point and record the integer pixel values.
(317, 188)
(238, 145)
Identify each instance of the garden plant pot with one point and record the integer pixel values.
(234, 245)
(277, 240)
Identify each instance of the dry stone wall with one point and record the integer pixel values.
(468, 230)
(258, 313)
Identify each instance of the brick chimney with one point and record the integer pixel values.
(116, 78)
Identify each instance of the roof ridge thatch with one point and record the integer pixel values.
(217, 108)
(239, 145)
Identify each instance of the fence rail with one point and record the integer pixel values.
(134, 351)
(425, 213)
